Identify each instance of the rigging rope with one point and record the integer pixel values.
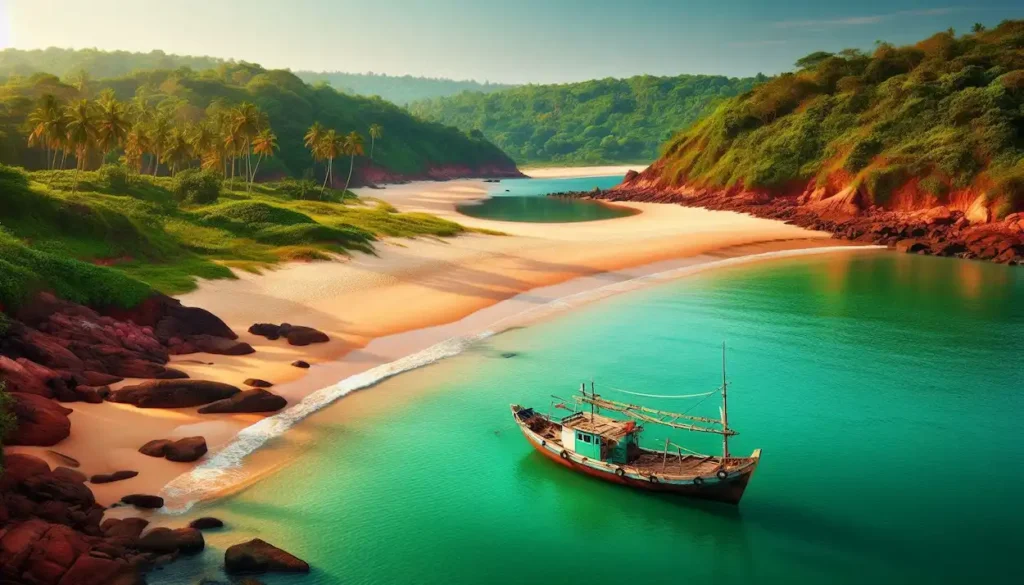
(661, 395)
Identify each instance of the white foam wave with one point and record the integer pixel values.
(224, 469)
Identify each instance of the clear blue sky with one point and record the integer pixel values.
(509, 40)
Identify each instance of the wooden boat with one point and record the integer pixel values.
(609, 448)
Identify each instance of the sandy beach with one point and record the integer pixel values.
(409, 295)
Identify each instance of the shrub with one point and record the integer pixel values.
(114, 177)
(198, 187)
(301, 189)
(862, 153)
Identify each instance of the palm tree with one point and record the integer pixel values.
(248, 121)
(159, 136)
(329, 148)
(264, 145)
(376, 131)
(312, 141)
(178, 150)
(81, 133)
(353, 146)
(43, 122)
(111, 124)
(202, 138)
(233, 142)
(135, 146)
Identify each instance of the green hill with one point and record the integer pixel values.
(938, 122)
(601, 121)
(67, 63)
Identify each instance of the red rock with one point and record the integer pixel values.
(258, 556)
(911, 245)
(68, 474)
(48, 486)
(112, 477)
(257, 383)
(21, 377)
(41, 421)
(173, 393)
(161, 540)
(143, 501)
(156, 448)
(124, 527)
(17, 542)
(254, 400)
(99, 379)
(186, 450)
(91, 570)
(91, 394)
(17, 467)
(220, 345)
(295, 334)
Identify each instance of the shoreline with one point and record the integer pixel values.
(379, 308)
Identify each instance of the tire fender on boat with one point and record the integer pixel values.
(653, 478)
(620, 472)
(722, 474)
(698, 481)
(543, 443)
(564, 455)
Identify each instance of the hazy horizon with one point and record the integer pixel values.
(532, 42)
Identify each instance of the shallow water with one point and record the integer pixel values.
(525, 200)
(884, 389)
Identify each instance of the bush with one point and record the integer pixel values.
(114, 177)
(862, 153)
(301, 189)
(198, 187)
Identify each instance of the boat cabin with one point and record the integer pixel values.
(601, 438)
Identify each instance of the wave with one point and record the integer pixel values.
(223, 469)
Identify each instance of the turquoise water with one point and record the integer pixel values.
(885, 390)
(524, 200)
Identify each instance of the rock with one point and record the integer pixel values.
(45, 487)
(40, 421)
(258, 556)
(186, 450)
(173, 393)
(124, 527)
(220, 345)
(91, 394)
(254, 400)
(300, 364)
(68, 474)
(17, 467)
(268, 330)
(22, 375)
(206, 523)
(295, 334)
(630, 175)
(186, 541)
(136, 368)
(939, 216)
(157, 448)
(91, 570)
(978, 211)
(911, 245)
(112, 477)
(69, 461)
(257, 383)
(143, 501)
(99, 379)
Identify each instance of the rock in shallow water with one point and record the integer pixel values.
(186, 450)
(258, 556)
(255, 400)
(206, 523)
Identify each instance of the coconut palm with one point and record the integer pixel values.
(264, 145)
(329, 148)
(352, 145)
(45, 124)
(135, 146)
(111, 124)
(159, 133)
(233, 141)
(248, 121)
(178, 150)
(376, 131)
(81, 133)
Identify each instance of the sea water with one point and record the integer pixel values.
(885, 390)
(526, 200)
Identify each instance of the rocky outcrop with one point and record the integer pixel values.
(257, 557)
(254, 400)
(295, 334)
(186, 450)
(40, 421)
(186, 541)
(173, 393)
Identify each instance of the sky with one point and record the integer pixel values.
(512, 41)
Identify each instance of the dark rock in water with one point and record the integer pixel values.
(143, 501)
(157, 448)
(509, 354)
(254, 400)
(40, 421)
(186, 450)
(173, 393)
(300, 364)
(186, 541)
(257, 383)
(68, 474)
(258, 556)
(112, 477)
(206, 523)
(124, 527)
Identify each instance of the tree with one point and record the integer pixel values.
(111, 124)
(329, 148)
(376, 131)
(978, 28)
(248, 122)
(352, 146)
(178, 150)
(81, 133)
(264, 145)
(46, 127)
(812, 60)
(159, 135)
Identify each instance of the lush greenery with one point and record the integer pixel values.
(607, 120)
(105, 243)
(177, 108)
(69, 63)
(946, 113)
(400, 89)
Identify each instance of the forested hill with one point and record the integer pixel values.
(405, 148)
(68, 63)
(940, 122)
(607, 120)
(400, 89)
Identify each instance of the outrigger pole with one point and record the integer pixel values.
(725, 409)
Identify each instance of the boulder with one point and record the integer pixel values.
(17, 467)
(268, 330)
(257, 383)
(157, 448)
(254, 400)
(68, 474)
(48, 486)
(40, 421)
(206, 523)
(300, 364)
(22, 375)
(129, 528)
(143, 501)
(186, 450)
(220, 345)
(112, 477)
(295, 334)
(186, 541)
(258, 556)
(92, 570)
(98, 379)
(173, 393)
(91, 394)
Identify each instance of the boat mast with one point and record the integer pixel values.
(725, 408)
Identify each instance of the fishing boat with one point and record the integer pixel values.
(609, 448)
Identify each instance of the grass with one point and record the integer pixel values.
(108, 246)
